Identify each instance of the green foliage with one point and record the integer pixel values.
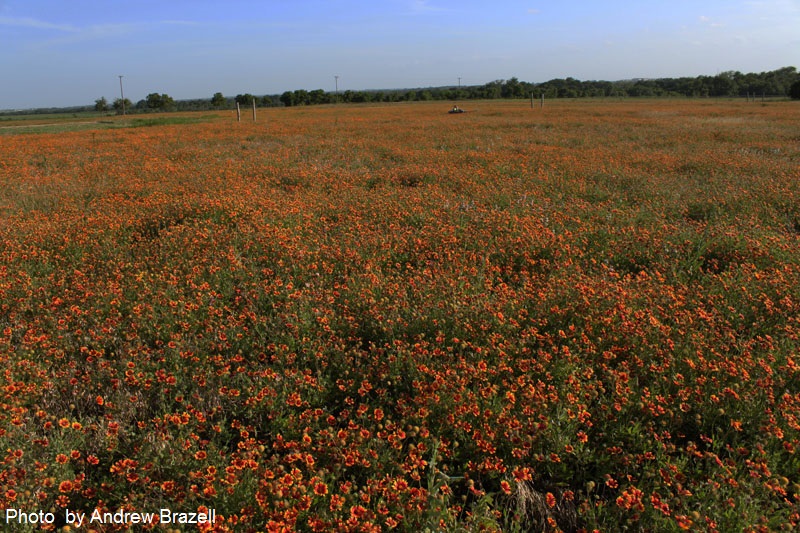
(484, 336)
(726, 84)
(784, 82)
(160, 102)
(794, 90)
(101, 104)
(245, 99)
(287, 98)
(121, 105)
(218, 100)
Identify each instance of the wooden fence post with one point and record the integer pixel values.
(238, 113)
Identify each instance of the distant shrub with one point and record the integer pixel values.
(794, 90)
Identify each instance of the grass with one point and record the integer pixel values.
(360, 318)
(93, 121)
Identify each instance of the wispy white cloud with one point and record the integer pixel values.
(178, 23)
(73, 34)
(534, 11)
(32, 23)
(709, 22)
(66, 34)
(423, 6)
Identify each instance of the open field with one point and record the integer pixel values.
(15, 125)
(362, 318)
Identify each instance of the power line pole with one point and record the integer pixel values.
(121, 95)
(337, 87)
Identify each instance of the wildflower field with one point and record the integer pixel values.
(363, 318)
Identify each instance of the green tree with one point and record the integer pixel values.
(794, 90)
(245, 99)
(218, 100)
(512, 89)
(119, 105)
(160, 102)
(493, 89)
(317, 96)
(301, 97)
(361, 96)
(287, 98)
(723, 85)
(153, 101)
(101, 104)
(167, 103)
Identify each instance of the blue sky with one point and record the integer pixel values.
(70, 52)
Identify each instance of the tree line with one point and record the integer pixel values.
(783, 82)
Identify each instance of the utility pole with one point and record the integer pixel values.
(337, 88)
(459, 82)
(121, 95)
